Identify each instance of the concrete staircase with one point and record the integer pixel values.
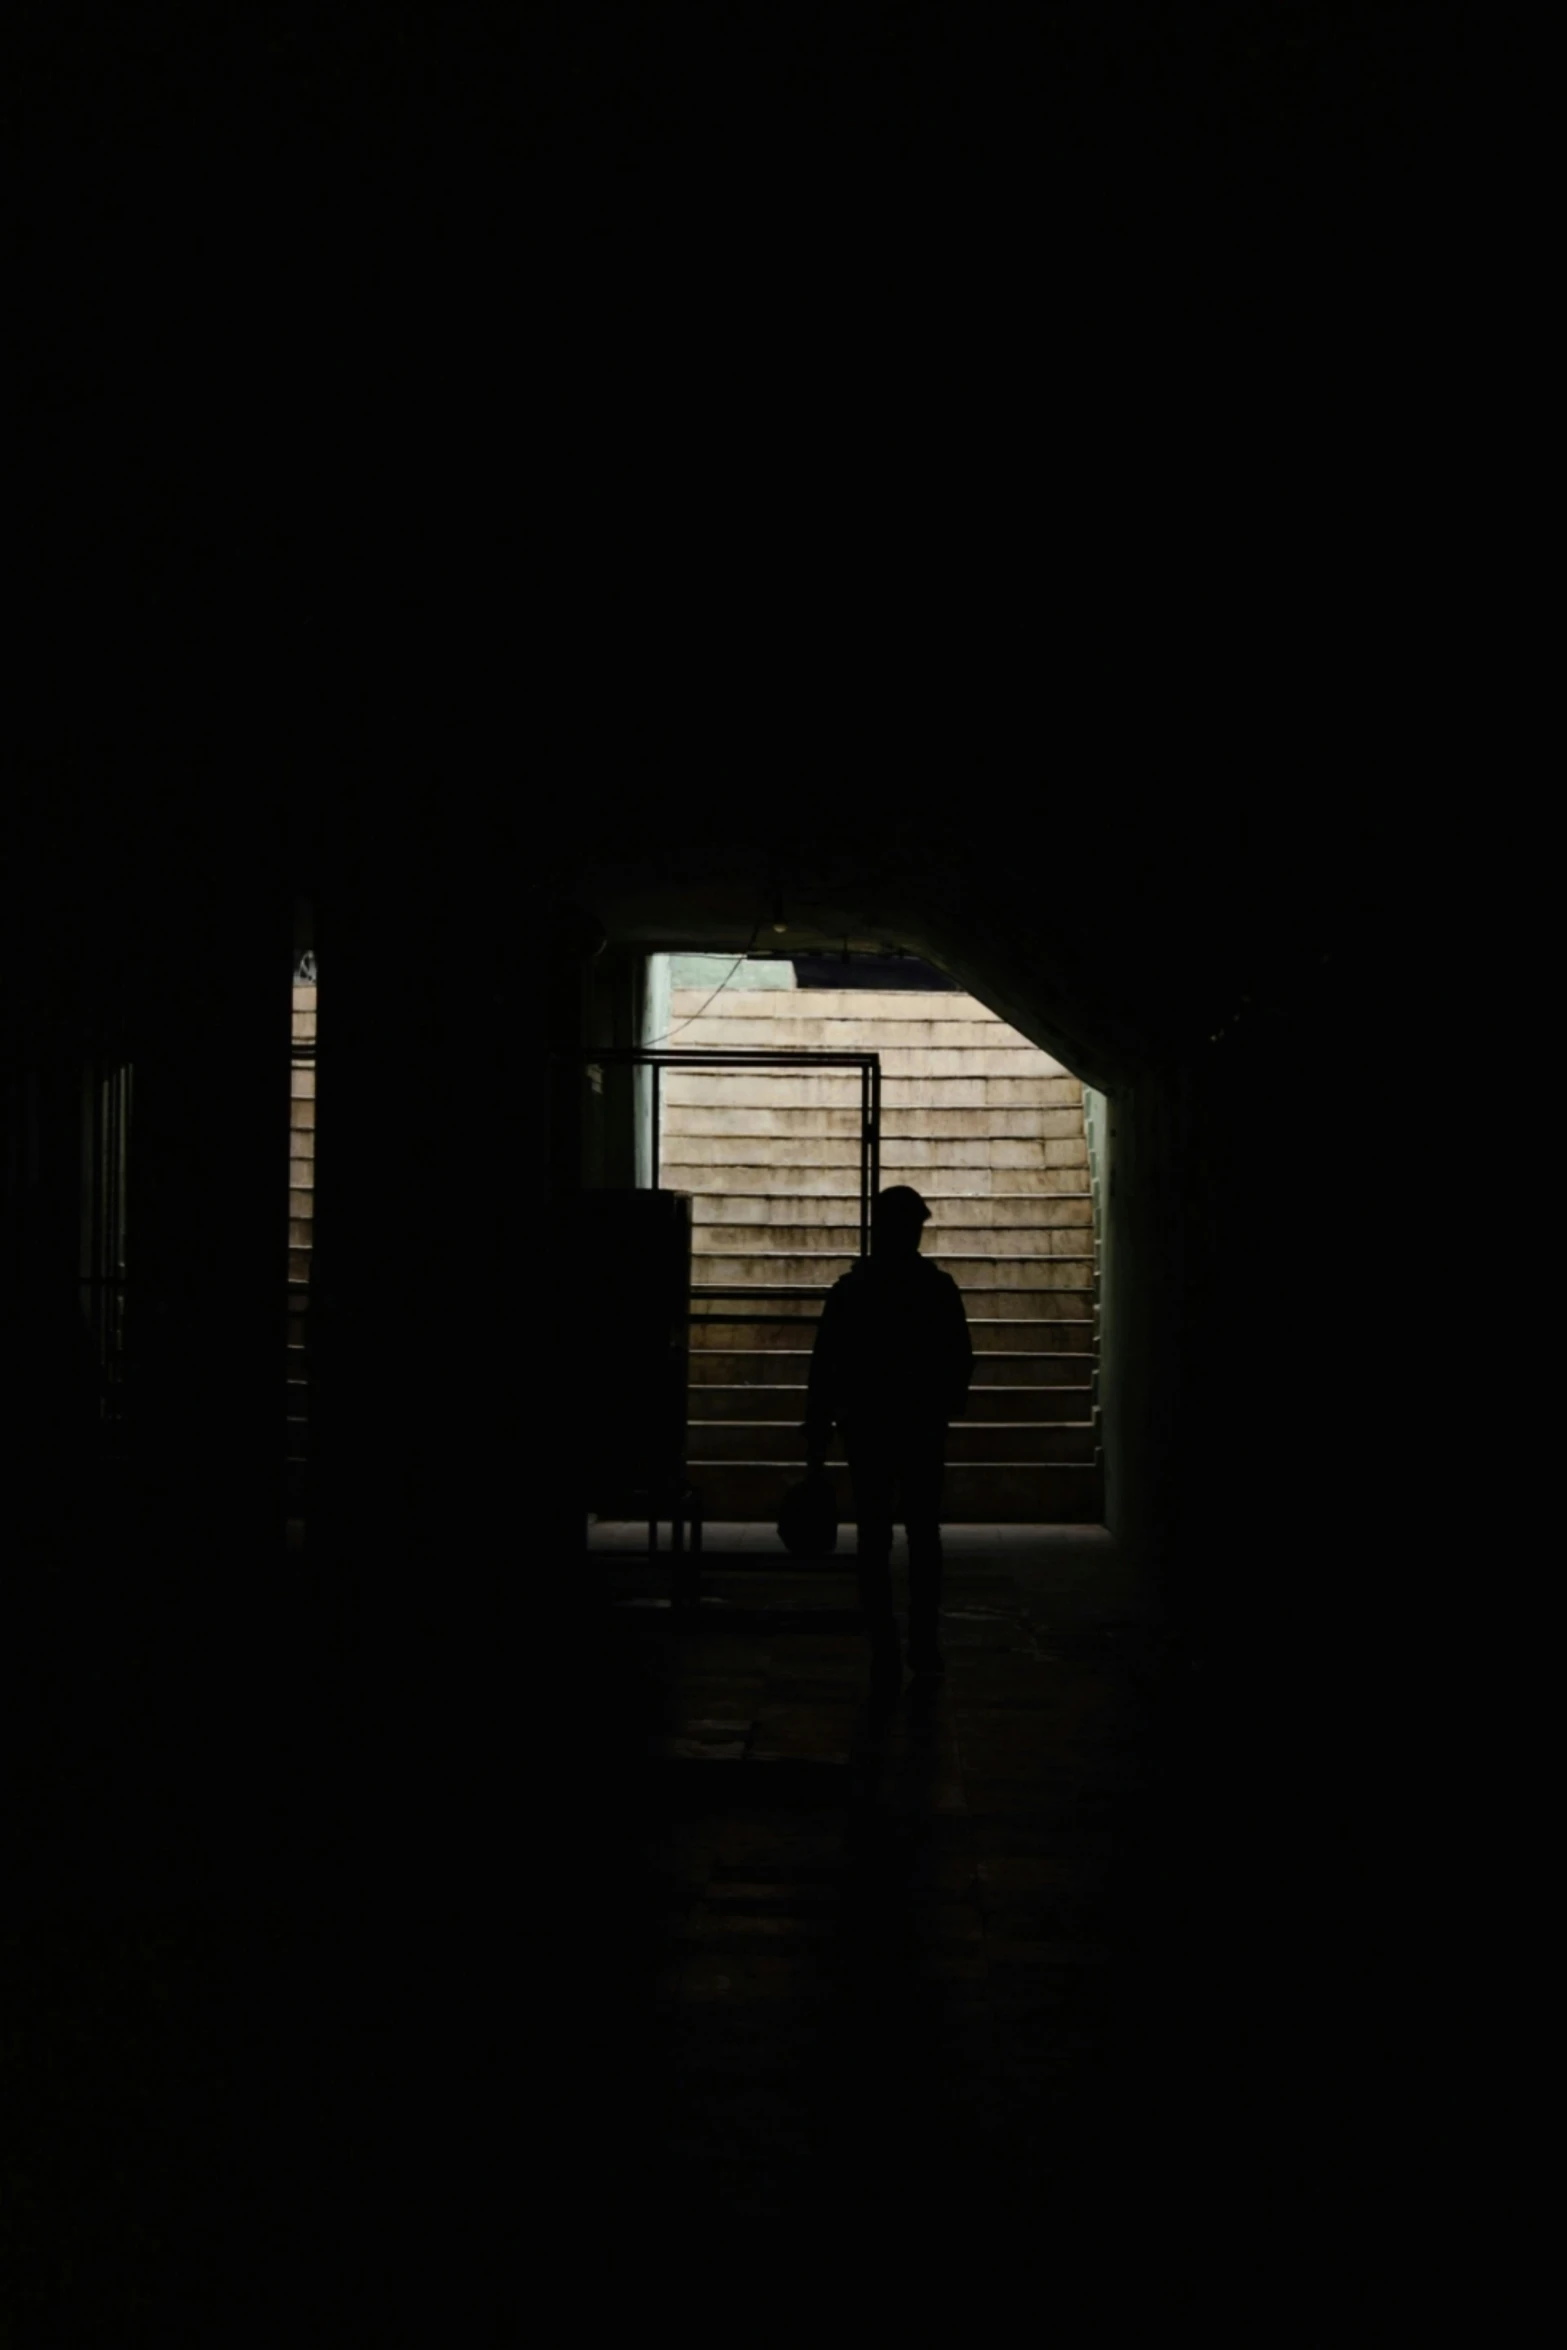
(990, 1130)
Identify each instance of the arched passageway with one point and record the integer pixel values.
(1068, 674)
(1195, 1016)
(438, 1648)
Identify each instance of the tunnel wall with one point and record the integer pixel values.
(1260, 1485)
(1214, 1372)
(1098, 1130)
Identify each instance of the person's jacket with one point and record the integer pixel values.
(892, 1347)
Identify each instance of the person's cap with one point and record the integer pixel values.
(902, 1202)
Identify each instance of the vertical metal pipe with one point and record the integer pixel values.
(658, 1129)
(875, 1152)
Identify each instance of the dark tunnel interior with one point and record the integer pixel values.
(498, 504)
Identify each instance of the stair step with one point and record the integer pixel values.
(839, 1177)
(788, 1366)
(922, 1108)
(1045, 1332)
(752, 1402)
(968, 1441)
(1069, 1330)
(788, 1321)
(984, 1493)
(942, 1240)
(959, 1042)
(830, 1139)
(814, 1127)
(767, 1268)
(753, 1006)
(785, 1204)
(906, 1060)
(911, 1077)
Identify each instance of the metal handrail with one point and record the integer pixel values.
(801, 1057)
(760, 1289)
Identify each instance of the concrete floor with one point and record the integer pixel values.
(1076, 1572)
(654, 1956)
(879, 1971)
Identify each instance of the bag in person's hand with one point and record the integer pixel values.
(808, 1517)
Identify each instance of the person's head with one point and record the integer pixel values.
(898, 1217)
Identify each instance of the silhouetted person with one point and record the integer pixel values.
(891, 1367)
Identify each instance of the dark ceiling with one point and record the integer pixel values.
(949, 467)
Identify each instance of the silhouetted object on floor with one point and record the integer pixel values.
(891, 1367)
(632, 1271)
(808, 1517)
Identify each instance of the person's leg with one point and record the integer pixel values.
(922, 1471)
(871, 1473)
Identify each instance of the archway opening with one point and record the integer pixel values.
(1002, 1139)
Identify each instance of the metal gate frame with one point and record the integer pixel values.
(658, 1060)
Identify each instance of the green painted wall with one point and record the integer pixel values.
(725, 971)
